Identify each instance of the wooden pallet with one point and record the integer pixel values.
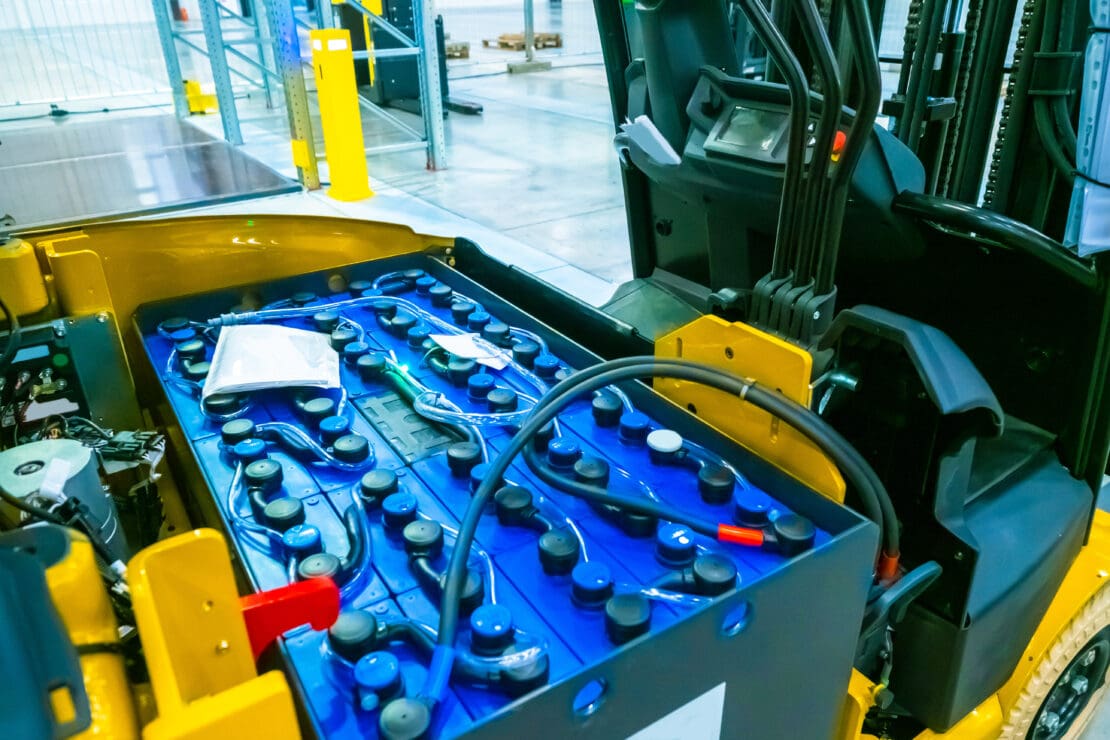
(515, 41)
(457, 49)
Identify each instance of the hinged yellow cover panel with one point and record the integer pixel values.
(188, 614)
(750, 353)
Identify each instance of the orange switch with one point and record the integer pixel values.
(839, 141)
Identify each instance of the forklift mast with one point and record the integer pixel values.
(924, 233)
(921, 257)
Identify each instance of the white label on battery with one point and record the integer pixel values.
(472, 346)
(699, 719)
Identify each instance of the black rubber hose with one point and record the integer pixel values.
(436, 362)
(1064, 126)
(852, 465)
(855, 468)
(356, 540)
(30, 509)
(1050, 141)
(425, 572)
(851, 462)
(596, 495)
(913, 116)
(14, 333)
(406, 630)
(874, 496)
(43, 515)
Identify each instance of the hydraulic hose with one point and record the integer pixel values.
(813, 31)
(779, 50)
(1049, 138)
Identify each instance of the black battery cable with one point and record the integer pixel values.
(859, 473)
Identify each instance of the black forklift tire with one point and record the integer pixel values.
(1065, 689)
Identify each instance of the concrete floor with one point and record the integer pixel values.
(536, 168)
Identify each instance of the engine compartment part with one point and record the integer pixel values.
(58, 472)
(52, 372)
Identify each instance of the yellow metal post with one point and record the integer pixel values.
(21, 284)
(199, 101)
(375, 7)
(334, 67)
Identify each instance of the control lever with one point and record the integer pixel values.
(890, 607)
(875, 654)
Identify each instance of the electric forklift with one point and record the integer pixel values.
(844, 269)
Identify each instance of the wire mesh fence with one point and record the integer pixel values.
(78, 50)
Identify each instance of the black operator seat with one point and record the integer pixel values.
(982, 494)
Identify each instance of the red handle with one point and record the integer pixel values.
(272, 613)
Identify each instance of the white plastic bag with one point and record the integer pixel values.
(254, 357)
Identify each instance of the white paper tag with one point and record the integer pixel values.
(698, 719)
(258, 356)
(38, 410)
(473, 347)
(54, 479)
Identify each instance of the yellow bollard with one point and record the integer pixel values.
(334, 67)
(199, 101)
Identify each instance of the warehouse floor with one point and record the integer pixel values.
(533, 175)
